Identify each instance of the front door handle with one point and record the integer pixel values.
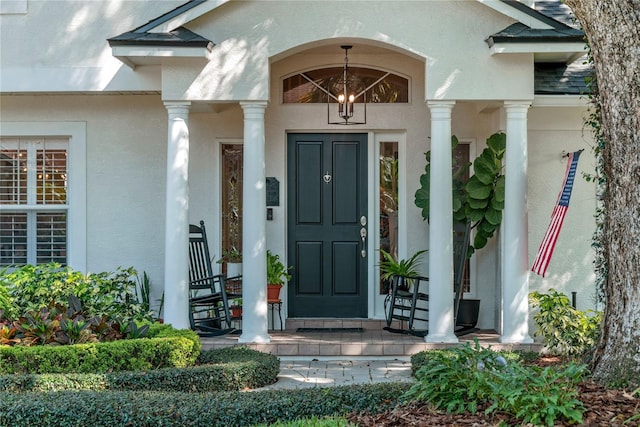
(363, 236)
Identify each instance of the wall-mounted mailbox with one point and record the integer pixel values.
(273, 191)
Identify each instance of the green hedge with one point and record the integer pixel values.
(168, 348)
(62, 409)
(231, 369)
(205, 378)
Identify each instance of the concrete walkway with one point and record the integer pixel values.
(327, 372)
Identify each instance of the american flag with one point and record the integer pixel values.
(541, 263)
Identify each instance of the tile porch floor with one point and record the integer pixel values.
(373, 342)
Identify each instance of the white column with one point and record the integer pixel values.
(515, 263)
(441, 227)
(254, 224)
(176, 246)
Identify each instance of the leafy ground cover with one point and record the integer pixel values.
(602, 407)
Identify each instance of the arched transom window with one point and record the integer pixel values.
(370, 85)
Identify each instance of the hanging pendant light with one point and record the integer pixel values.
(347, 96)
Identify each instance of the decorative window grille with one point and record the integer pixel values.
(231, 197)
(388, 203)
(314, 86)
(33, 200)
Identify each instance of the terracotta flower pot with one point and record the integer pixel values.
(236, 312)
(273, 292)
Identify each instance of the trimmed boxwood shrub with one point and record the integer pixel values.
(62, 409)
(241, 367)
(205, 378)
(231, 369)
(168, 348)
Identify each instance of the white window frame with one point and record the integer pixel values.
(76, 132)
(376, 300)
(473, 153)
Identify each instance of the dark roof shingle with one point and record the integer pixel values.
(562, 79)
(557, 10)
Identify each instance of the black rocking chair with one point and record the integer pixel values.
(408, 299)
(208, 304)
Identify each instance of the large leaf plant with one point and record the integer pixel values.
(479, 200)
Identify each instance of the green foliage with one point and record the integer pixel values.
(313, 422)
(565, 330)
(389, 267)
(277, 273)
(113, 295)
(474, 378)
(144, 408)
(69, 324)
(32, 287)
(230, 255)
(176, 349)
(422, 357)
(6, 307)
(480, 200)
(144, 291)
(226, 370)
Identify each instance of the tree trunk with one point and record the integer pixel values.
(613, 32)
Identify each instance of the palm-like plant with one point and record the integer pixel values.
(389, 267)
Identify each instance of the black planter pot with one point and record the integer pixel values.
(468, 313)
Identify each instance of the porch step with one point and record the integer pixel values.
(367, 344)
(334, 324)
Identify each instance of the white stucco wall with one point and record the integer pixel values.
(125, 169)
(552, 131)
(126, 144)
(61, 46)
(450, 41)
(256, 47)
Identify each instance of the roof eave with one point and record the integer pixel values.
(135, 55)
(543, 50)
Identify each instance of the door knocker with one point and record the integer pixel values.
(327, 178)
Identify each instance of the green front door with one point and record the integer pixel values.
(327, 211)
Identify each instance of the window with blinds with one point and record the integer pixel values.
(33, 200)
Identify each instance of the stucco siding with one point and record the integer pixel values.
(552, 132)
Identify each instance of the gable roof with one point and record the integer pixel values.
(550, 22)
(539, 28)
(178, 37)
(566, 42)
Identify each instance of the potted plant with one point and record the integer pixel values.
(232, 257)
(277, 274)
(235, 305)
(390, 267)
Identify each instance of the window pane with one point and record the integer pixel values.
(300, 89)
(13, 239)
(51, 176)
(51, 237)
(13, 175)
(388, 202)
(460, 163)
(33, 171)
(232, 197)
